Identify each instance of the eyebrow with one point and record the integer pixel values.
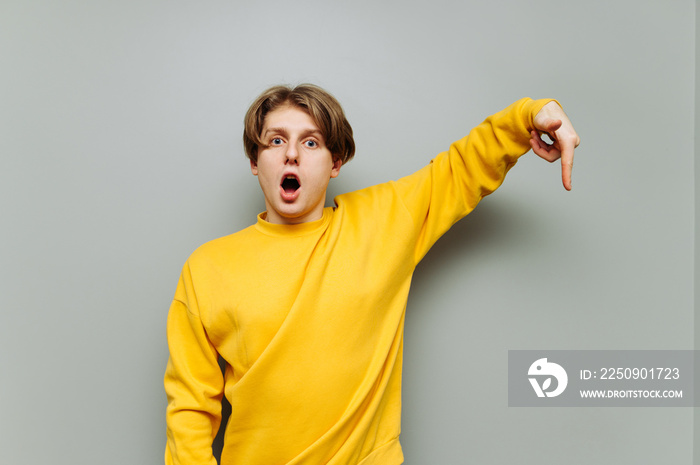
(283, 131)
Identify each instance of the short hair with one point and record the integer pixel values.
(321, 106)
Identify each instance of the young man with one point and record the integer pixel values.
(307, 305)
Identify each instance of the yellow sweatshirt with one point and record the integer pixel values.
(309, 318)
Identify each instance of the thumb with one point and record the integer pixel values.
(550, 125)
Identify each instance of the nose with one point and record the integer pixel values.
(292, 155)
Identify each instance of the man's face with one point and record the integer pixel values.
(294, 168)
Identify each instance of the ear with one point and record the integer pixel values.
(254, 167)
(335, 171)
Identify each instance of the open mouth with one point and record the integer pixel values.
(290, 184)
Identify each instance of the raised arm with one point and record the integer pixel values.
(476, 165)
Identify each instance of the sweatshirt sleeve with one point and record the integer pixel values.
(456, 180)
(193, 382)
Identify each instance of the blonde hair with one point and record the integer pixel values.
(323, 108)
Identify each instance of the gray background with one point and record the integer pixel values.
(120, 150)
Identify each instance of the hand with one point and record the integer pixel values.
(552, 120)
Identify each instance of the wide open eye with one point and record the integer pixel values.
(312, 144)
(276, 141)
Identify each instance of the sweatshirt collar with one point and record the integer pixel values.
(292, 230)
